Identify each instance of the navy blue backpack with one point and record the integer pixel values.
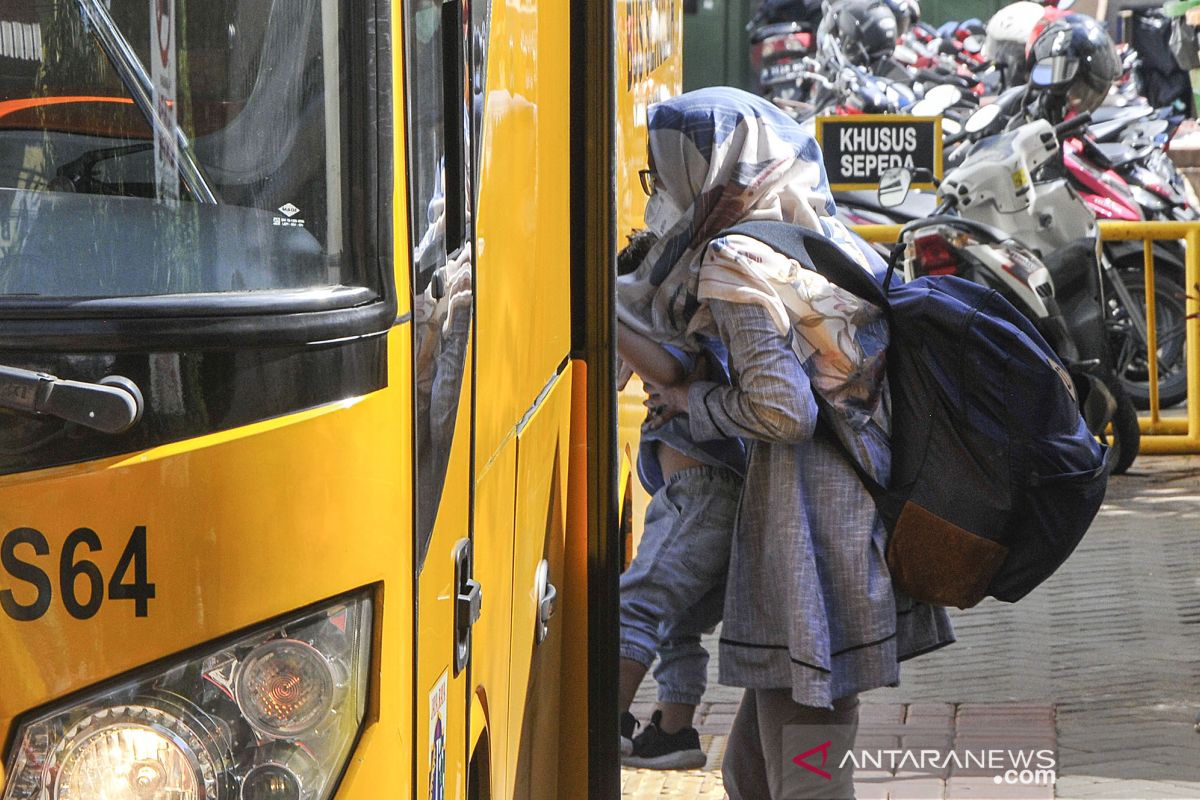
(995, 476)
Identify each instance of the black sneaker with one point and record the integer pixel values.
(654, 749)
(628, 724)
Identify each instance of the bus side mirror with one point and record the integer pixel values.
(893, 187)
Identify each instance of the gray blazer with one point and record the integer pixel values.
(809, 604)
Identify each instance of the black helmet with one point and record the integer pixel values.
(1073, 63)
(865, 29)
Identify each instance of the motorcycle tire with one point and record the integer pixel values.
(1126, 437)
(1128, 352)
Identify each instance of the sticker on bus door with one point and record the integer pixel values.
(437, 739)
(162, 75)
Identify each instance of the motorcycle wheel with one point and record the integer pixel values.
(1132, 364)
(1126, 437)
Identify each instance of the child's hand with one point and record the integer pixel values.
(665, 402)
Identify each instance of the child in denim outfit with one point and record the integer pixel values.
(675, 588)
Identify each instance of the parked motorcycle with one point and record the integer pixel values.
(991, 226)
(1156, 191)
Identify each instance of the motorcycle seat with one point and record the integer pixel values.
(774, 29)
(917, 205)
(1113, 155)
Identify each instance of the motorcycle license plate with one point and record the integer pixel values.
(779, 73)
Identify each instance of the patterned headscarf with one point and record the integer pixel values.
(724, 156)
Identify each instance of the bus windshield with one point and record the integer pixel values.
(170, 147)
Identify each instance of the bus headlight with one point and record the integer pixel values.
(133, 752)
(284, 687)
(270, 715)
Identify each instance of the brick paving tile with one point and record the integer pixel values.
(871, 791)
(1124, 790)
(980, 788)
(916, 789)
(870, 742)
(1005, 711)
(871, 776)
(720, 719)
(929, 724)
(638, 784)
(1134, 769)
(880, 713)
(919, 710)
(924, 742)
(1087, 759)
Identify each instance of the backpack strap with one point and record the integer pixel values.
(821, 254)
(814, 251)
(877, 490)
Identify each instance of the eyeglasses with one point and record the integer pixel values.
(649, 178)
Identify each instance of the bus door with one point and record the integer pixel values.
(448, 598)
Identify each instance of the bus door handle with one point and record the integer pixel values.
(547, 600)
(468, 603)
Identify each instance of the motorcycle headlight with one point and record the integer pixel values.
(269, 715)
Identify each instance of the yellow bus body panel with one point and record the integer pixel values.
(523, 324)
(649, 69)
(543, 448)
(236, 522)
(523, 224)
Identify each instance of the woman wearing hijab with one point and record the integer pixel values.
(811, 617)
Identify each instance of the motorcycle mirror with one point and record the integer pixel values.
(893, 187)
(982, 118)
(1053, 71)
(950, 127)
(926, 108)
(972, 45)
(944, 94)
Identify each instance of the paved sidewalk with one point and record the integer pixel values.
(1100, 663)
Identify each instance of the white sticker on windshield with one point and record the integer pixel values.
(288, 220)
(162, 74)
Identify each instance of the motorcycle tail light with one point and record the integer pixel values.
(935, 254)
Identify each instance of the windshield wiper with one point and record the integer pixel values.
(141, 88)
(114, 405)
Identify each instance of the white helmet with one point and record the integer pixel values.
(1007, 36)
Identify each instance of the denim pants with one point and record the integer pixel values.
(675, 588)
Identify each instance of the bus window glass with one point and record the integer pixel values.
(168, 147)
(442, 273)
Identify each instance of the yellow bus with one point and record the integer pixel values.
(308, 461)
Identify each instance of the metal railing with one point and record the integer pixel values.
(1160, 435)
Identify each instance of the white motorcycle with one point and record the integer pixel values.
(1036, 244)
